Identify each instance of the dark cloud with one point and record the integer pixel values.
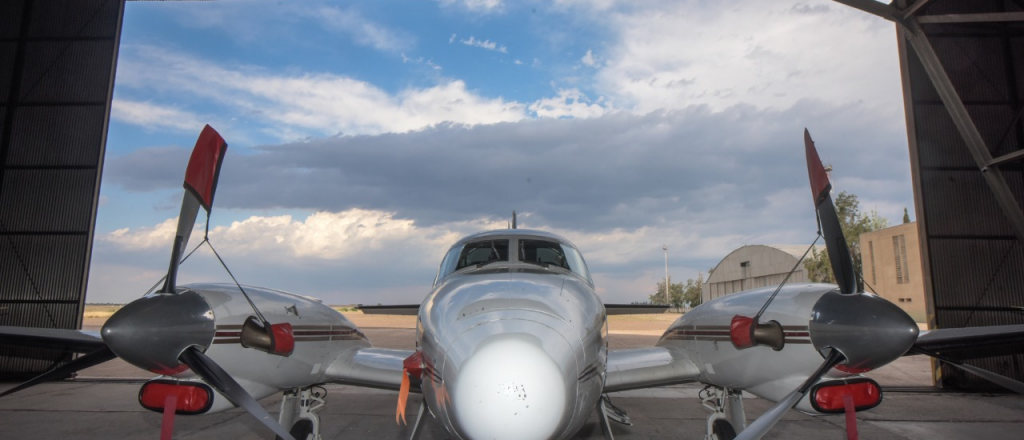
(619, 170)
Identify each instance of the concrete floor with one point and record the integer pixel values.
(102, 404)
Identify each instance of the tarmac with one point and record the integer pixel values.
(101, 403)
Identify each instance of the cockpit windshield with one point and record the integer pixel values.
(552, 253)
(482, 252)
(541, 252)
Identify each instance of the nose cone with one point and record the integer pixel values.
(152, 331)
(868, 330)
(510, 388)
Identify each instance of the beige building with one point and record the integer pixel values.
(753, 266)
(891, 260)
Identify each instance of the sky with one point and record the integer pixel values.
(365, 138)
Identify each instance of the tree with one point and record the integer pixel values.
(680, 295)
(906, 215)
(853, 224)
(658, 297)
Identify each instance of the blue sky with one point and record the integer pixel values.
(365, 137)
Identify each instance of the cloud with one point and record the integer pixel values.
(477, 6)
(594, 173)
(484, 44)
(588, 59)
(320, 236)
(365, 31)
(292, 106)
(338, 256)
(570, 103)
(154, 116)
(766, 54)
(420, 60)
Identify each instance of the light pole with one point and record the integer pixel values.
(664, 247)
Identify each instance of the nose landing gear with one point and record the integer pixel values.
(727, 417)
(298, 410)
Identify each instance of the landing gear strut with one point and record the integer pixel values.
(298, 410)
(727, 417)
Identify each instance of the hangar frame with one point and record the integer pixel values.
(57, 60)
(962, 64)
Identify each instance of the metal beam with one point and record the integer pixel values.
(1005, 158)
(872, 7)
(995, 17)
(965, 125)
(908, 12)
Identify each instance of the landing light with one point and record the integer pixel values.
(191, 397)
(828, 397)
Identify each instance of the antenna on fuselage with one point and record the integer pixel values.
(513, 219)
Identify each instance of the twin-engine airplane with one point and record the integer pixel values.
(512, 340)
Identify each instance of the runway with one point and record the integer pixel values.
(102, 404)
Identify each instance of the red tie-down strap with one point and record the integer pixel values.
(167, 426)
(411, 366)
(851, 417)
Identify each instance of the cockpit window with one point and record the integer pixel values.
(551, 253)
(470, 254)
(482, 252)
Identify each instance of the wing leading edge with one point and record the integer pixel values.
(369, 367)
(610, 309)
(636, 368)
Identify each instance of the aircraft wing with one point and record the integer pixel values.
(370, 367)
(972, 342)
(402, 309)
(647, 367)
(611, 309)
(76, 341)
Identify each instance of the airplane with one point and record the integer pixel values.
(512, 340)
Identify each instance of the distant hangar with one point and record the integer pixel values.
(754, 266)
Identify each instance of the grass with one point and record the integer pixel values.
(100, 310)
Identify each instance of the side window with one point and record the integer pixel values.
(576, 263)
(448, 264)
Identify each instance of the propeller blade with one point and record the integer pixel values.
(763, 424)
(200, 185)
(214, 375)
(835, 242)
(92, 359)
(998, 379)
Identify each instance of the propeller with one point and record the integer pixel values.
(858, 331)
(168, 331)
(828, 220)
(1003, 381)
(82, 362)
(763, 424)
(854, 331)
(214, 375)
(201, 178)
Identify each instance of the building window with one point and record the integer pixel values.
(899, 250)
(871, 253)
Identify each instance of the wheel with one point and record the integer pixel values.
(303, 430)
(722, 430)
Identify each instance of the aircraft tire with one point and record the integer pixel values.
(723, 430)
(302, 430)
